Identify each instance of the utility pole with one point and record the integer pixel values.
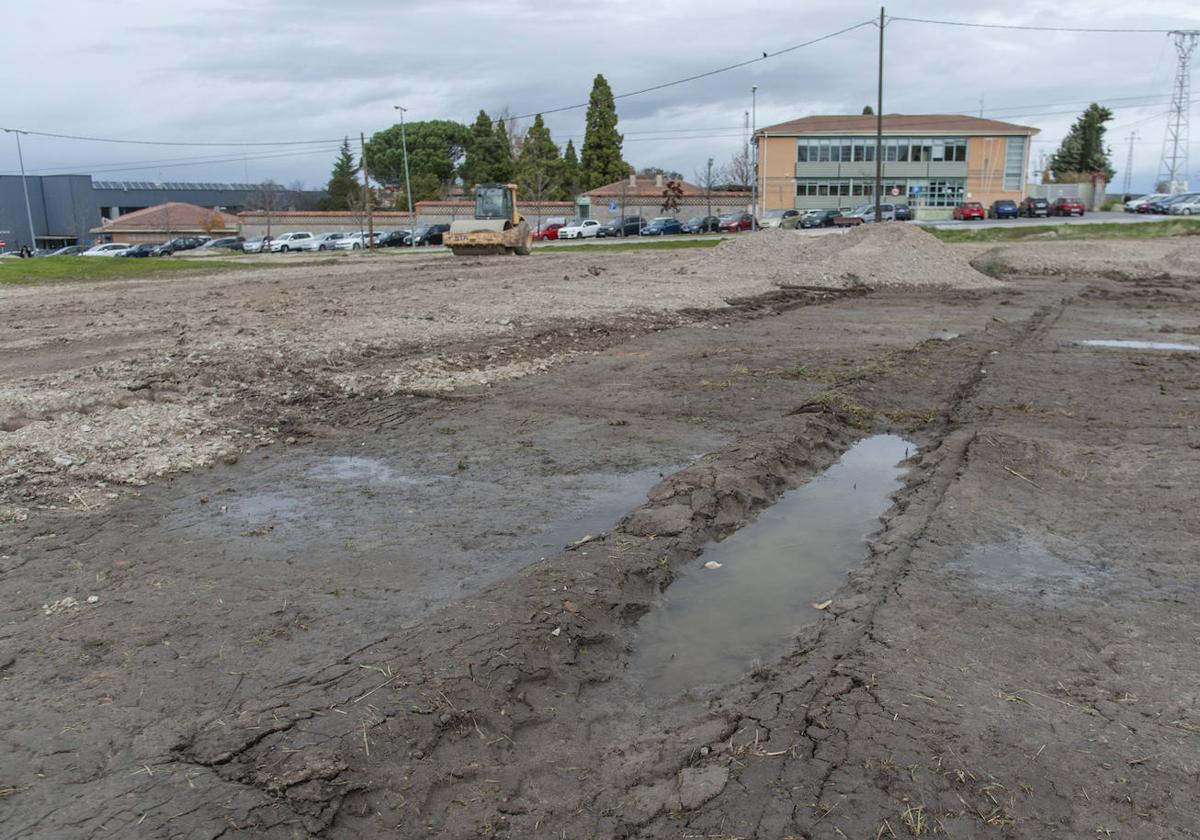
(25, 187)
(1174, 168)
(708, 188)
(362, 139)
(1128, 165)
(753, 132)
(412, 218)
(879, 125)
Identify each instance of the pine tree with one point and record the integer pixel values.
(343, 189)
(474, 167)
(602, 163)
(571, 171)
(1082, 152)
(504, 168)
(868, 111)
(539, 169)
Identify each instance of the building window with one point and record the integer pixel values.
(1014, 163)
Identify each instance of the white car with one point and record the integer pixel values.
(355, 241)
(285, 242)
(321, 242)
(1132, 205)
(109, 249)
(579, 229)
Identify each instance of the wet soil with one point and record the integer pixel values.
(423, 620)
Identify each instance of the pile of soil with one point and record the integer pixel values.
(1120, 259)
(874, 256)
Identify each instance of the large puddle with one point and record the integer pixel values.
(1131, 344)
(714, 623)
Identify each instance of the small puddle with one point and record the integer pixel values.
(356, 468)
(1130, 344)
(711, 625)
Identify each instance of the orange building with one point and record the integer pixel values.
(931, 162)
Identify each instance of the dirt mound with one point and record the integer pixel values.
(1184, 261)
(869, 255)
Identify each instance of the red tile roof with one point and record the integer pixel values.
(172, 217)
(647, 186)
(896, 123)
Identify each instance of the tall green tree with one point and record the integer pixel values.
(489, 156)
(539, 168)
(602, 163)
(505, 166)
(868, 111)
(342, 191)
(1082, 152)
(435, 150)
(571, 171)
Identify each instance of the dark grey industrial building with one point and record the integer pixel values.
(66, 207)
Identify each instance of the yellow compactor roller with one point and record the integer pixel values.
(497, 227)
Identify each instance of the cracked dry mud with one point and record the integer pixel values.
(398, 627)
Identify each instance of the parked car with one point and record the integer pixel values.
(224, 243)
(733, 222)
(108, 249)
(428, 235)
(145, 249)
(850, 220)
(1163, 205)
(393, 239)
(355, 241)
(1131, 206)
(579, 229)
(179, 243)
(1035, 207)
(256, 245)
(549, 230)
(702, 224)
(68, 251)
(775, 218)
(290, 241)
(969, 210)
(1064, 206)
(320, 242)
(866, 212)
(1003, 209)
(902, 213)
(819, 218)
(622, 226)
(1187, 207)
(662, 226)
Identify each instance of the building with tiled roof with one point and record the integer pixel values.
(932, 162)
(643, 195)
(165, 221)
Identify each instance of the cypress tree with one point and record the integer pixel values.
(342, 189)
(602, 163)
(539, 168)
(1082, 151)
(571, 173)
(474, 167)
(503, 167)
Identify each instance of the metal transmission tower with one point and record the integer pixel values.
(1175, 144)
(1129, 164)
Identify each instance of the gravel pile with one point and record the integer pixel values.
(876, 256)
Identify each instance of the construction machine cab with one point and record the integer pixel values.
(496, 201)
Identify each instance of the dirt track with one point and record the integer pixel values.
(376, 630)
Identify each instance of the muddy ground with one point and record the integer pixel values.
(419, 618)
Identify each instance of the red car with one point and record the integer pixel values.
(547, 231)
(969, 210)
(1064, 206)
(736, 221)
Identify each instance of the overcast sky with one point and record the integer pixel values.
(266, 71)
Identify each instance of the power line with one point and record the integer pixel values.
(1028, 28)
(764, 57)
(171, 142)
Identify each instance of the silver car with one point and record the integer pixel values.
(321, 242)
(255, 245)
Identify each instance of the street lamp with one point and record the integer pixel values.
(412, 219)
(24, 186)
(754, 186)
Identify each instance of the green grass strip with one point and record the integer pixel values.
(1103, 230)
(56, 269)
